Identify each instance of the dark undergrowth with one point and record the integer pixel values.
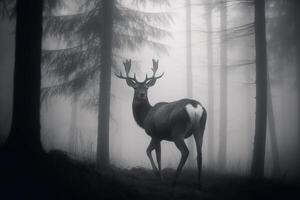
(56, 176)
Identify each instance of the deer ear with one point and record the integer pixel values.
(130, 83)
(151, 82)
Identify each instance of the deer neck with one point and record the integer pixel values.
(140, 110)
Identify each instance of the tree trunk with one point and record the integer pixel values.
(223, 87)
(210, 136)
(25, 130)
(298, 97)
(297, 56)
(257, 169)
(272, 132)
(189, 76)
(73, 133)
(189, 50)
(105, 85)
(249, 108)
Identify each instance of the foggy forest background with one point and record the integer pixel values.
(207, 51)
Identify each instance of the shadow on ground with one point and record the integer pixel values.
(56, 176)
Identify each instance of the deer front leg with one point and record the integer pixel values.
(179, 142)
(149, 150)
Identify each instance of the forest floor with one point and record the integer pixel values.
(59, 177)
(214, 186)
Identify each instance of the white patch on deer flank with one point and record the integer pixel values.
(195, 114)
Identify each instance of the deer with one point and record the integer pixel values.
(174, 121)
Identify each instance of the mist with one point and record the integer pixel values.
(182, 35)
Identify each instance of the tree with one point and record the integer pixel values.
(210, 89)
(189, 74)
(77, 66)
(284, 37)
(24, 136)
(105, 79)
(257, 168)
(81, 69)
(272, 131)
(189, 50)
(73, 132)
(223, 86)
(297, 33)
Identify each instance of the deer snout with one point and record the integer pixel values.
(142, 95)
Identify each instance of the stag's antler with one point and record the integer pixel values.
(127, 65)
(154, 69)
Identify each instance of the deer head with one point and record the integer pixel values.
(140, 88)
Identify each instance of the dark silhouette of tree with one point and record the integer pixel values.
(247, 30)
(105, 79)
(257, 168)
(297, 33)
(223, 87)
(284, 38)
(25, 129)
(79, 68)
(295, 39)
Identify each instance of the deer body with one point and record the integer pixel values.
(159, 120)
(172, 121)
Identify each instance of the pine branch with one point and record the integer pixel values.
(67, 26)
(77, 84)
(64, 63)
(135, 42)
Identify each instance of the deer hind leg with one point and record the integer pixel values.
(149, 150)
(198, 135)
(199, 139)
(180, 144)
(158, 158)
